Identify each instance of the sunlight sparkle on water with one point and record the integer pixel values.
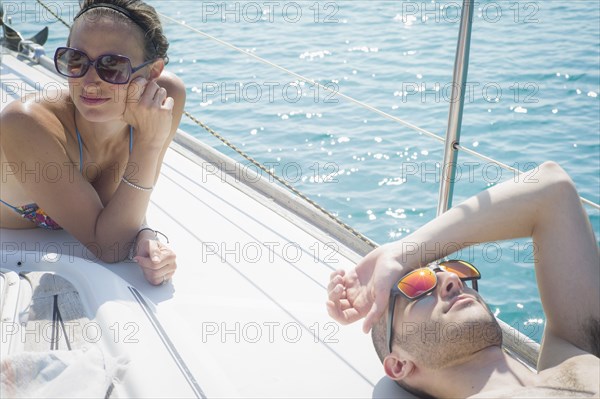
(533, 321)
(314, 54)
(396, 181)
(397, 214)
(521, 110)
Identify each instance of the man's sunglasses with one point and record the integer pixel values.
(421, 282)
(112, 68)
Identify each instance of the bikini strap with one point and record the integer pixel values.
(80, 141)
(80, 150)
(10, 206)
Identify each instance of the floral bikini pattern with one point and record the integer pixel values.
(33, 213)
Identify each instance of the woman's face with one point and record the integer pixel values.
(95, 99)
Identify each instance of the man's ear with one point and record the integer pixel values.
(397, 368)
(156, 69)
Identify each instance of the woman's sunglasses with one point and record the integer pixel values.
(421, 282)
(112, 68)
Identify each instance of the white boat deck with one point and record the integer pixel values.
(246, 308)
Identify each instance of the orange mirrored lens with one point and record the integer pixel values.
(417, 282)
(462, 269)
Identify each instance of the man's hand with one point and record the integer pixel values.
(156, 260)
(365, 290)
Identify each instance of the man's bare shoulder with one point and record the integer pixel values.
(580, 373)
(537, 392)
(556, 351)
(577, 377)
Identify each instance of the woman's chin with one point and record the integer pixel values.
(98, 114)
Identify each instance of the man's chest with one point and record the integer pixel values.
(579, 376)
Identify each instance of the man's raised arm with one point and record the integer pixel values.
(542, 204)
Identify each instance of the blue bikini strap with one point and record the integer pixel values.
(10, 206)
(80, 150)
(80, 141)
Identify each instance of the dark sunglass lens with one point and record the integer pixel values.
(72, 63)
(114, 69)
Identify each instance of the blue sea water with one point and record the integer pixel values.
(533, 86)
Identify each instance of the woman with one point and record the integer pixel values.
(107, 135)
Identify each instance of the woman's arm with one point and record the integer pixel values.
(34, 138)
(157, 261)
(176, 89)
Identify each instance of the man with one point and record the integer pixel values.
(446, 343)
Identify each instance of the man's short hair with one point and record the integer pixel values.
(379, 337)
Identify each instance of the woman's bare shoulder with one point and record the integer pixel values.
(173, 83)
(36, 116)
(176, 90)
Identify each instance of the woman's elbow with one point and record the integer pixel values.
(110, 255)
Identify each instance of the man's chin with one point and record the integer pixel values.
(439, 345)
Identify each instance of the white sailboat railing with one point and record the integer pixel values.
(457, 103)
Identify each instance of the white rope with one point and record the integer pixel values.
(515, 170)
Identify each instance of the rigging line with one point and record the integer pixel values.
(258, 164)
(308, 80)
(515, 170)
(351, 99)
(486, 158)
(590, 203)
(54, 14)
(305, 79)
(283, 182)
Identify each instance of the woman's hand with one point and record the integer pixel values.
(365, 290)
(156, 260)
(150, 111)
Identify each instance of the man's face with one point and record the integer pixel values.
(446, 326)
